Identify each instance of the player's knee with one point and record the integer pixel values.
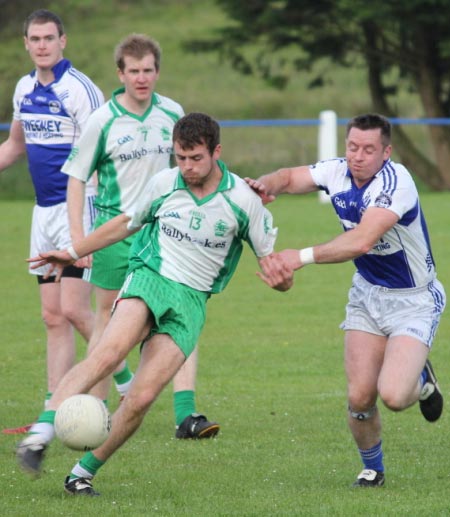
(360, 399)
(53, 319)
(392, 399)
(140, 402)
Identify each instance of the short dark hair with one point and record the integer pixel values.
(42, 16)
(196, 129)
(137, 46)
(372, 121)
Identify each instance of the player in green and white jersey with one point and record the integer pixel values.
(193, 218)
(127, 142)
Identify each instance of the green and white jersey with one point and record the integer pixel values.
(198, 242)
(125, 149)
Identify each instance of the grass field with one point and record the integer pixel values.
(270, 372)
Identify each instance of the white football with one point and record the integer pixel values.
(82, 422)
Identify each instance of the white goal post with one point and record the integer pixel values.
(327, 142)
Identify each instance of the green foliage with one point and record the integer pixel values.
(404, 41)
(271, 372)
(333, 29)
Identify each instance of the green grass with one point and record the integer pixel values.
(271, 373)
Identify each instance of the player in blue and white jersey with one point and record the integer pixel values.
(192, 222)
(51, 106)
(395, 301)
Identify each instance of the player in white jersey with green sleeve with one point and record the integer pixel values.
(193, 219)
(127, 142)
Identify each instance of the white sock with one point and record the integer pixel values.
(79, 472)
(43, 430)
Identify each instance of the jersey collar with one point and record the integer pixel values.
(58, 70)
(120, 109)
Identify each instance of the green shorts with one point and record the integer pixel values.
(110, 264)
(178, 310)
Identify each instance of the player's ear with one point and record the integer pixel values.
(217, 152)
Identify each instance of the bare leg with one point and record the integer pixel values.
(127, 325)
(186, 375)
(399, 381)
(160, 360)
(60, 335)
(364, 355)
(104, 302)
(389, 367)
(76, 305)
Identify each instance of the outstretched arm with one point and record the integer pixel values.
(113, 231)
(347, 246)
(278, 267)
(289, 180)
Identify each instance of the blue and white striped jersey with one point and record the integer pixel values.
(52, 117)
(402, 258)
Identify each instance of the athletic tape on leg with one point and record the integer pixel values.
(362, 415)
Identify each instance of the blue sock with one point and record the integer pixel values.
(373, 458)
(423, 378)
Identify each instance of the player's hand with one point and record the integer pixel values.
(276, 272)
(56, 257)
(261, 190)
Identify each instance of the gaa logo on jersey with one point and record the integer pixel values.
(54, 106)
(383, 200)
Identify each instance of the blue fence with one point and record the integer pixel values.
(316, 122)
(310, 122)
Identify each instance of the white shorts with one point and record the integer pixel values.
(411, 312)
(50, 229)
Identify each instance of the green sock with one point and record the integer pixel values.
(123, 379)
(125, 375)
(184, 405)
(47, 417)
(87, 466)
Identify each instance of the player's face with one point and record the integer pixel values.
(139, 77)
(365, 153)
(198, 167)
(44, 45)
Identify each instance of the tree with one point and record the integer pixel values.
(405, 42)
